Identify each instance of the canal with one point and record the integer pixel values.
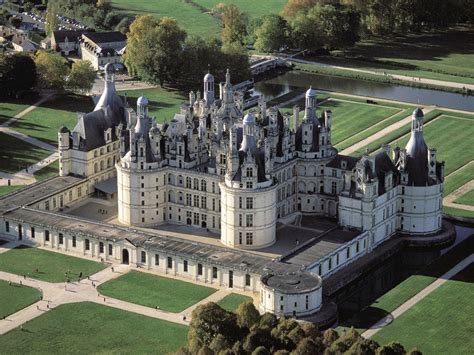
(292, 80)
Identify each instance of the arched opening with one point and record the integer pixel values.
(188, 221)
(125, 258)
(203, 224)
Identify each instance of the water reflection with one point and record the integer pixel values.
(292, 80)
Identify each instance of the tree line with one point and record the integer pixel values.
(214, 330)
(20, 73)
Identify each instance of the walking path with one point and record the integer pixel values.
(55, 294)
(418, 297)
(25, 176)
(383, 132)
(464, 189)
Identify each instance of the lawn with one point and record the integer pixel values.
(44, 121)
(51, 266)
(7, 189)
(150, 290)
(441, 323)
(16, 297)
(11, 108)
(48, 171)
(458, 178)
(232, 301)
(251, 7)
(16, 154)
(89, 328)
(466, 199)
(163, 104)
(189, 17)
(441, 55)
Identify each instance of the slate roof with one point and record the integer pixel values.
(60, 36)
(105, 37)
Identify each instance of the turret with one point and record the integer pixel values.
(296, 116)
(192, 98)
(209, 89)
(310, 105)
(228, 92)
(417, 152)
(262, 105)
(63, 146)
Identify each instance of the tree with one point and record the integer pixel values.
(261, 350)
(268, 321)
(15, 21)
(329, 337)
(307, 347)
(124, 25)
(218, 344)
(52, 70)
(258, 337)
(247, 315)
(82, 76)
(52, 21)
(17, 74)
(363, 346)
(292, 7)
(233, 23)
(394, 348)
(345, 341)
(154, 49)
(272, 33)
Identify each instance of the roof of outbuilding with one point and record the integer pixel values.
(105, 37)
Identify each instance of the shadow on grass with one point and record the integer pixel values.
(16, 154)
(365, 319)
(70, 103)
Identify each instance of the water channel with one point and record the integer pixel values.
(292, 80)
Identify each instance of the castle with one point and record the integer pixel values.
(240, 174)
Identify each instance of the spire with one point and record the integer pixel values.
(227, 77)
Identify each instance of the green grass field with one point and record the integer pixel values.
(48, 171)
(163, 104)
(457, 212)
(7, 189)
(443, 55)
(15, 297)
(51, 266)
(466, 199)
(251, 7)
(89, 328)
(458, 178)
(44, 121)
(16, 154)
(151, 291)
(441, 323)
(232, 301)
(10, 109)
(189, 18)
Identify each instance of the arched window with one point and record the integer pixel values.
(101, 165)
(96, 168)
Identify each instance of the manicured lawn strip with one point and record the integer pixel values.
(440, 134)
(409, 287)
(232, 301)
(10, 109)
(458, 179)
(441, 323)
(466, 199)
(151, 290)
(48, 171)
(163, 104)
(44, 121)
(16, 154)
(451, 211)
(51, 266)
(189, 18)
(89, 328)
(15, 297)
(251, 7)
(374, 129)
(7, 189)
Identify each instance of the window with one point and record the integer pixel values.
(61, 239)
(334, 188)
(348, 251)
(334, 172)
(7, 226)
(101, 247)
(213, 187)
(143, 258)
(214, 272)
(249, 238)
(307, 301)
(110, 249)
(203, 202)
(170, 262)
(196, 184)
(249, 185)
(240, 220)
(249, 172)
(357, 247)
(196, 218)
(185, 265)
(403, 190)
(203, 185)
(240, 237)
(213, 204)
(157, 260)
(240, 202)
(88, 244)
(188, 182)
(74, 241)
(188, 199)
(196, 201)
(247, 280)
(199, 269)
(330, 264)
(249, 203)
(46, 205)
(33, 232)
(249, 220)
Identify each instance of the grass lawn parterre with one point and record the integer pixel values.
(15, 297)
(44, 121)
(11, 108)
(163, 104)
(466, 199)
(251, 7)
(232, 301)
(441, 323)
(190, 18)
(48, 171)
(16, 154)
(7, 189)
(89, 328)
(51, 266)
(151, 290)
